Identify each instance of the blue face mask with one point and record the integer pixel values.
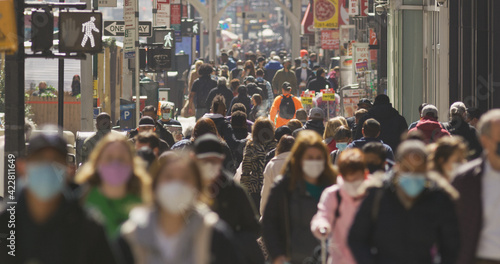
(304, 65)
(341, 146)
(412, 183)
(314, 72)
(45, 179)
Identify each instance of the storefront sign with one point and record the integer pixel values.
(353, 8)
(326, 14)
(330, 39)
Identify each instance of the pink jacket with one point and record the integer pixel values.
(338, 249)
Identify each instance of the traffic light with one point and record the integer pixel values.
(80, 32)
(42, 30)
(159, 59)
(186, 27)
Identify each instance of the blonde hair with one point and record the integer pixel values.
(332, 125)
(138, 184)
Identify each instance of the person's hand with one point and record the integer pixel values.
(280, 260)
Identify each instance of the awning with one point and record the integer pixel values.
(307, 24)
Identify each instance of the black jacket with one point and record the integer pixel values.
(298, 74)
(233, 205)
(222, 90)
(318, 84)
(201, 87)
(314, 125)
(69, 236)
(404, 236)
(458, 127)
(286, 222)
(392, 124)
(162, 133)
(245, 100)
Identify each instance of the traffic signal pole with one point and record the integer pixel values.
(60, 93)
(14, 105)
(137, 70)
(87, 89)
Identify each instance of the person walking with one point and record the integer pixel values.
(273, 66)
(371, 130)
(392, 124)
(284, 106)
(221, 89)
(320, 82)
(429, 125)
(201, 88)
(285, 75)
(411, 218)
(448, 154)
(303, 73)
(103, 126)
(293, 201)
(315, 122)
(242, 98)
(267, 90)
(478, 210)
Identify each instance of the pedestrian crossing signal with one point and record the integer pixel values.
(80, 31)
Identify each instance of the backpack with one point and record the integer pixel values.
(287, 107)
(263, 86)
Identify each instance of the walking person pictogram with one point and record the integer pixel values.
(168, 40)
(87, 28)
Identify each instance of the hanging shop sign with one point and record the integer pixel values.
(326, 14)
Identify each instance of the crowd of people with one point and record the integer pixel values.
(261, 179)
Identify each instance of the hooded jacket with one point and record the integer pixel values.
(431, 129)
(314, 125)
(392, 124)
(458, 127)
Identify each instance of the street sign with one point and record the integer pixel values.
(129, 10)
(8, 33)
(117, 28)
(163, 15)
(80, 31)
(107, 3)
(255, 15)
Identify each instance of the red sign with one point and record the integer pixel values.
(330, 39)
(364, 7)
(175, 14)
(344, 14)
(163, 1)
(373, 37)
(184, 11)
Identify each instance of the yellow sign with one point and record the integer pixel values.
(8, 31)
(95, 89)
(326, 13)
(328, 97)
(306, 100)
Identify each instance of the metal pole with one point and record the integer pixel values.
(87, 91)
(14, 104)
(137, 70)
(60, 97)
(211, 32)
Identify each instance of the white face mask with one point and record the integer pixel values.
(175, 197)
(209, 171)
(313, 168)
(352, 188)
(165, 116)
(454, 168)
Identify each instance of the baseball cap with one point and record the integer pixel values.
(146, 121)
(316, 113)
(365, 101)
(47, 140)
(428, 109)
(287, 86)
(208, 146)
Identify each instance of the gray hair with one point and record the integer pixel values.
(458, 108)
(414, 147)
(484, 125)
(222, 81)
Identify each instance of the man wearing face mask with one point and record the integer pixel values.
(412, 213)
(51, 226)
(229, 200)
(303, 73)
(478, 211)
(371, 132)
(167, 121)
(103, 126)
(339, 204)
(285, 75)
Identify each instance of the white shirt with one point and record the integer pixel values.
(489, 240)
(303, 75)
(167, 244)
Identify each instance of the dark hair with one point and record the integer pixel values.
(376, 148)
(235, 83)
(205, 69)
(103, 121)
(242, 91)
(294, 124)
(316, 67)
(259, 72)
(239, 107)
(285, 144)
(413, 135)
(262, 131)
(149, 138)
(445, 148)
(204, 126)
(350, 161)
(421, 107)
(149, 108)
(360, 113)
(341, 133)
(257, 98)
(382, 99)
(473, 112)
(249, 65)
(320, 71)
(371, 128)
(239, 119)
(218, 104)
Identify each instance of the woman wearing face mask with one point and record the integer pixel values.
(254, 157)
(248, 70)
(447, 155)
(412, 215)
(117, 182)
(342, 138)
(338, 206)
(177, 228)
(330, 130)
(293, 201)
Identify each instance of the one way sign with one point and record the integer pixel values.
(117, 28)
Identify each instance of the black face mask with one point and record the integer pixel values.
(375, 167)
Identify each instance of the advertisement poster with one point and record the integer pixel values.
(326, 14)
(163, 15)
(364, 7)
(353, 8)
(343, 13)
(330, 39)
(361, 53)
(361, 66)
(175, 15)
(373, 37)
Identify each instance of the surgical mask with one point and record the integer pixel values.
(341, 146)
(45, 179)
(175, 197)
(375, 167)
(314, 72)
(304, 65)
(352, 188)
(115, 173)
(412, 183)
(209, 170)
(165, 116)
(213, 77)
(313, 168)
(241, 67)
